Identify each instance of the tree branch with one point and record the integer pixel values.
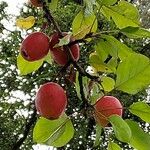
(50, 18)
(81, 71)
(26, 131)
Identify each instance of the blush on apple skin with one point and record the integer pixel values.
(59, 54)
(36, 3)
(105, 107)
(35, 46)
(51, 100)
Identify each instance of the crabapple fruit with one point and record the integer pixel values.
(59, 54)
(51, 100)
(35, 46)
(105, 107)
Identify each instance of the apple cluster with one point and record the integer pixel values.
(37, 45)
(51, 99)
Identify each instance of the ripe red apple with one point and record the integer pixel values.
(50, 100)
(59, 54)
(35, 46)
(36, 3)
(105, 107)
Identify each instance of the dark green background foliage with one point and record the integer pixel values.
(13, 124)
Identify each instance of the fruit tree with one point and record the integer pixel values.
(87, 80)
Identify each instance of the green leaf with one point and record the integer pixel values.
(112, 46)
(100, 50)
(107, 2)
(121, 128)
(98, 135)
(108, 46)
(55, 133)
(112, 64)
(105, 44)
(133, 73)
(141, 110)
(107, 83)
(85, 85)
(83, 23)
(64, 41)
(132, 32)
(25, 67)
(53, 5)
(66, 136)
(124, 14)
(98, 63)
(89, 7)
(45, 128)
(77, 86)
(113, 146)
(96, 93)
(139, 140)
(48, 58)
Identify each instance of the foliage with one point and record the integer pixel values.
(119, 70)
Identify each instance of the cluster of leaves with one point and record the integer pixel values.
(115, 63)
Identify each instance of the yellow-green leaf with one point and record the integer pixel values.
(83, 24)
(98, 64)
(107, 2)
(107, 83)
(113, 146)
(25, 67)
(48, 58)
(25, 23)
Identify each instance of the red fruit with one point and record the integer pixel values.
(59, 54)
(51, 100)
(105, 107)
(35, 46)
(36, 3)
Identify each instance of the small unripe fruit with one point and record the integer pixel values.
(35, 46)
(51, 100)
(59, 54)
(105, 107)
(36, 3)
